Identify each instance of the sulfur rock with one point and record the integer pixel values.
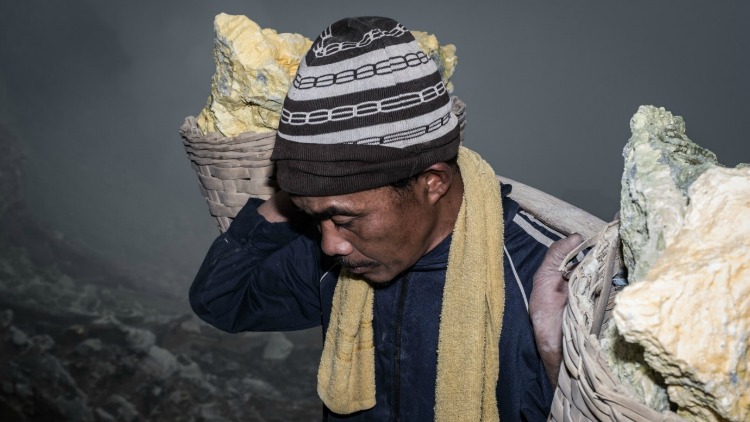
(627, 364)
(691, 312)
(444, 56)
(255, 66)
(660, 164)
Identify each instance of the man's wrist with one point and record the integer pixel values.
(250, 227)
(278, 208)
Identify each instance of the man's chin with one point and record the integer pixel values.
(375, 275)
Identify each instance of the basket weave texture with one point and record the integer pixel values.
(233, 169)
(587, 389)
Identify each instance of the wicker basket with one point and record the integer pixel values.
(587, 388)
(233, 169)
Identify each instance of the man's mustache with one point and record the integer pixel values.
(353, 264)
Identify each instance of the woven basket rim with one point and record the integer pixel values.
(587, 387)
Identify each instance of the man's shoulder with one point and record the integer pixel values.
(521, 225)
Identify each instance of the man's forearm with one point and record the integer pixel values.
(241, 269)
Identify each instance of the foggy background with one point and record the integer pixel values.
(95, 92)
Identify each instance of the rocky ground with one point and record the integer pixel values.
(82, 341)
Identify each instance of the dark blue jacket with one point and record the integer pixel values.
(262, 276)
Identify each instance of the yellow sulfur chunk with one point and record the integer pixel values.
(444, 56)
(691, 312)
(254, 68)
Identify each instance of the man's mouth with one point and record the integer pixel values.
(358, 270)
(357, 267)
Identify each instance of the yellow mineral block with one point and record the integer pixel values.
(691, 313)
(254, 68)
(444, 56)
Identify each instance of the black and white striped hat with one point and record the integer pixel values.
(367, 108)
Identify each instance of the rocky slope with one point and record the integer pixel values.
(82, 341)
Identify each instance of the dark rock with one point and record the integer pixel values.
(278, 347)
(18, 337)
(103, 416)
(161, 362)
(74, 408)
(6, 318)
(210, 413)
(121, 409)
(42, 342)
(89, 347)
(261, 388)
(139, 340)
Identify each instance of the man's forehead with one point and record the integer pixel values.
(349, 204)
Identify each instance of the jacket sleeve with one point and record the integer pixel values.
(259, 276)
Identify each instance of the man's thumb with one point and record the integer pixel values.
(561, 248)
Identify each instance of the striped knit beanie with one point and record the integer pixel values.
(366, 108)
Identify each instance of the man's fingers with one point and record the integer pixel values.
(553, 259)
(561, 248)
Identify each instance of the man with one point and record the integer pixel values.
(421, 268)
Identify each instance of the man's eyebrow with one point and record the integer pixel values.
(333, 210)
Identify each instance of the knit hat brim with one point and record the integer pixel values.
(340, 169)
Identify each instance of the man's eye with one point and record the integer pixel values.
(342, 222)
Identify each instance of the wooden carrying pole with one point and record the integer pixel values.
(554, 212)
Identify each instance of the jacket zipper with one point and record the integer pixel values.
(397, 361)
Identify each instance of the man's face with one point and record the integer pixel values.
(376, 234)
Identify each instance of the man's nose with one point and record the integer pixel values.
(333, 244)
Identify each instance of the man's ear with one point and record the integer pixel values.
(437, 179)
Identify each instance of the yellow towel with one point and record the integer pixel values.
(470, 320)
(346, 376)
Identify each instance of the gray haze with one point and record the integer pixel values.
(97, 91)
